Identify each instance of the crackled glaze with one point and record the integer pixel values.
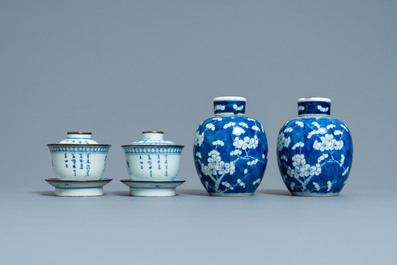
(314, 151)
(230, 150)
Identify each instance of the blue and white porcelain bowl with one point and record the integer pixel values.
(153, 158)
(314, 151)
(78, 157)
(230, 150)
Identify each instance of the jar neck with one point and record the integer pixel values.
(229, 106)
(308, 107)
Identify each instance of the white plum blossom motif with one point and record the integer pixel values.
(322, 109)
(240, 182)
(219, 107)
(227, 125)
(299, 123)
(206, 184)
(346, 171)
(297, 145)
(301, 108)
(283, 141)
(331, 126)
(237, 107)
(217, 119)
(316, 124)
(218, 142)
(316, 186)
(329, 185)
(253, 162)
(236, 152)
(342, 159)
(245, 171)
(227, 185)
(338, 132)
(216, 166)
(256, 128)
(198, 140)
(288, 129)
(257, 181)
(198, 154)
(243, 124)
(210, 126)
(315, 132)
(238, 131)
(301, 169)
(328, 143)
(283, 157)
(246, 143)
(322, 157)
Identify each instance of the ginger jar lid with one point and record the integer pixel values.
(79, 138)
(229, 106)
(314, 106)
(153, 138)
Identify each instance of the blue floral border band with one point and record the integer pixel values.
(229, 107)
(152, 150)
(78, 149)
(314, 108)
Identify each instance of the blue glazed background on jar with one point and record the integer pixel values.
(314, 153)
(230, 152)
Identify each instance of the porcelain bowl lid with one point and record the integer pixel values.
(79, 139)
(152, 138)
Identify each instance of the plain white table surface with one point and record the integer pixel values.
(272, 227)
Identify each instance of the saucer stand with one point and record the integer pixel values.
(152, 188)
(78, 188)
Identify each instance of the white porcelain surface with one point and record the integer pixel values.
(78, 157)
(78, 188)
(78, 138)
(153, 158)
(152, 188)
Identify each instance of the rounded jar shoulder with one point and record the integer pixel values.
(224, 122)
(322, 124)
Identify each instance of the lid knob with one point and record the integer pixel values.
(79, 135)
(155, 135)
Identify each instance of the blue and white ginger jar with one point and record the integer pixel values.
(78, 157)
(152, 158)
(314, 151)
(230, 150)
